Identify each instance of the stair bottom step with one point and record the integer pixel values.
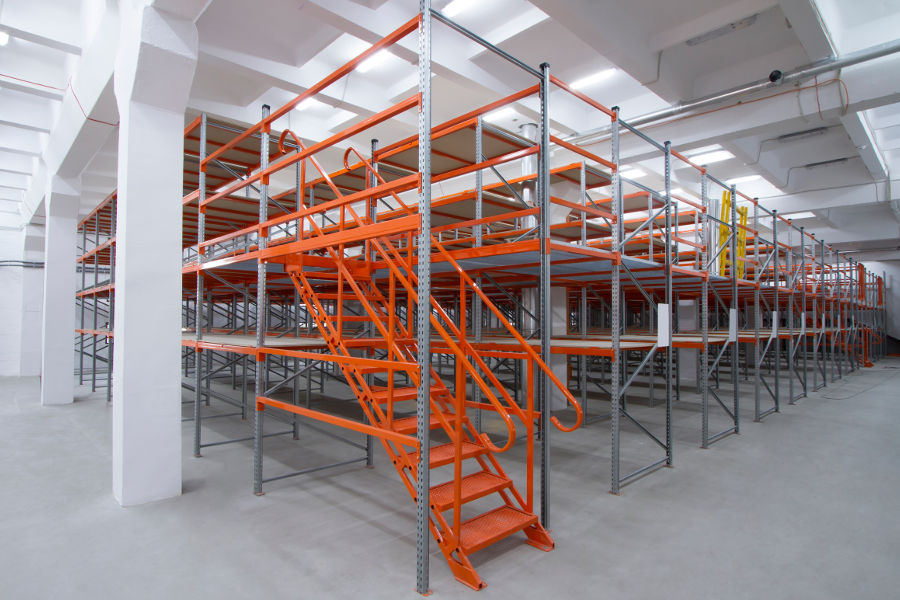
(482, 531)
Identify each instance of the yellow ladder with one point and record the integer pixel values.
(725, 218)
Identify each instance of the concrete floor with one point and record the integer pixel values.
(803, 505)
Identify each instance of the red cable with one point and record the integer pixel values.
(77, 101)
(818, 104)
(50, 87)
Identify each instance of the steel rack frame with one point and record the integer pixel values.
(437, 313)
(94, 298)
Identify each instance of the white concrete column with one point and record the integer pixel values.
(153, 75)
(33, 302)
(10, 302)
(688, 320)
(559, 326)
(58, 331)
(559, 315)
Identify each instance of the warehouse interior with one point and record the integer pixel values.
(392, 298)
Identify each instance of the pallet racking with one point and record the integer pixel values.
(95, 298)
(566, 272)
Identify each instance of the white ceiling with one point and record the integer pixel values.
(664, 53)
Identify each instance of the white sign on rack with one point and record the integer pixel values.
(732, 325)
(663, 315)
(802, 324)
(774, 324)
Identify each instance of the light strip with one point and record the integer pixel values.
(592, 79)
(373, 61)
(711, 157)
(457, 6)
(499, 114)
(744, 179)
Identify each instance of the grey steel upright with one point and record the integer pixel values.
(198, 303)
(423, 325)
(259, 384)
(672, 309)
(734, 308)
(544, 290)
(615, 317)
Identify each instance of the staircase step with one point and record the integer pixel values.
(444, 454)
(482, 531)
(474, 486)
(409, 425)
(401, 394)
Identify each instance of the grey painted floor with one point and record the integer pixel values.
(803, 505)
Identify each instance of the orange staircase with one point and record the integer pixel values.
(476, 472)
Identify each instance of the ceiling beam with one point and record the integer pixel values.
(41, 40)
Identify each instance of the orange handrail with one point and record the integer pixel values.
(527, 347)
(499, 407)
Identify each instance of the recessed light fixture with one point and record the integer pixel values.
(4, 38)
(744, 179)
(806, 214)
(590, 80)
(799, 135)
(373, 61)
(308, 103)
(632, 173)
(711, 157)
(826, 163)
(457, 6)
(499, 114)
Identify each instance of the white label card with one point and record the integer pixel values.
(732, 325)
(663, 316)
(774, 324)
(802, 323)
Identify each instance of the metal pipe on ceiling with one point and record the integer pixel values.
(776, 79)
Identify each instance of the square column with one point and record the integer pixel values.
(58, 329)
(559, 326)
(152, 80)
(33, 302)
(687, 361)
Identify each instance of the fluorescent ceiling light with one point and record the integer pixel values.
(712, 157)
(4, 38)
(457, 6)
(632, 173)
(674, 192)
(308, 103)
(373, 61)
(499, 114)
(743, 179)
(806, 214)
(592, 79)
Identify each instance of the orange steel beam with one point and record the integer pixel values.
(461, 121)
(379, 432)
(562, 84)
(339, 73)
(581, 151)
(384, 115)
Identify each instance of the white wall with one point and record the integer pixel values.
(10, 302)
(891, 271)
(21, 296)
(32, 303)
